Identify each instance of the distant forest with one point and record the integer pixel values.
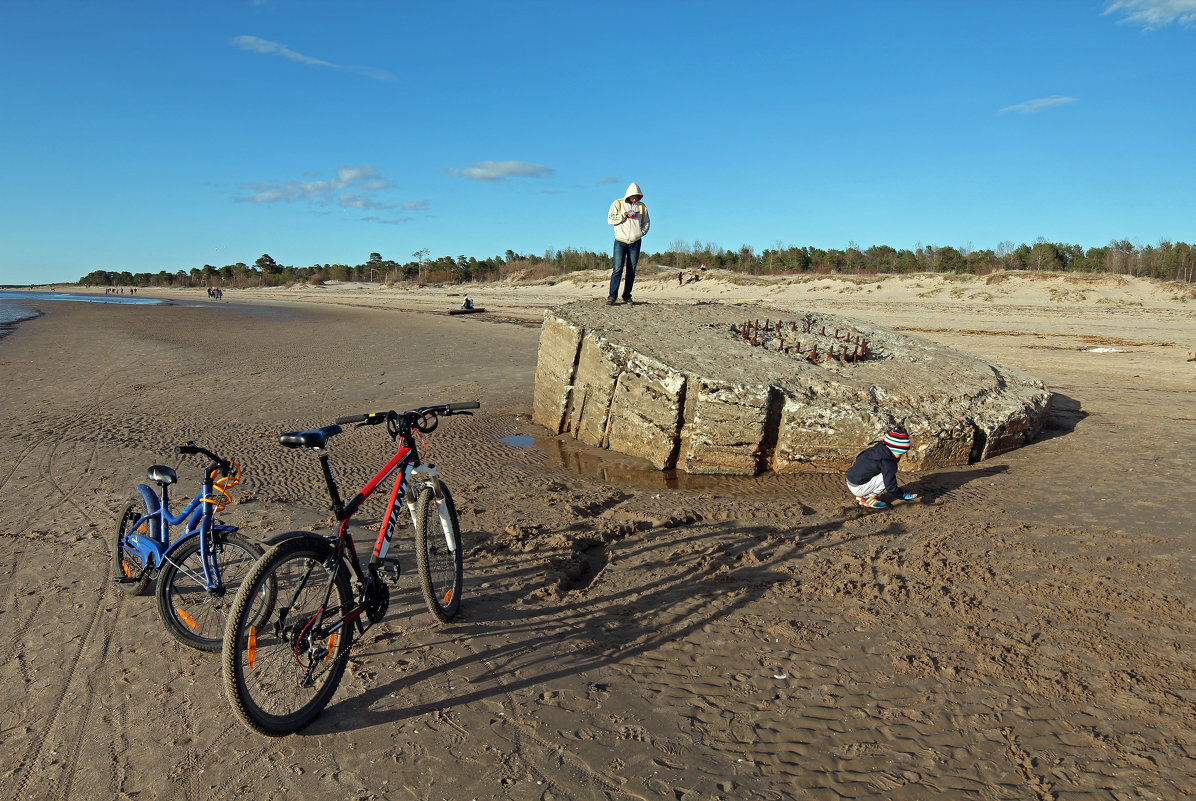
(1166, 261)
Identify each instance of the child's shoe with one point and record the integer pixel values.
(872, 501)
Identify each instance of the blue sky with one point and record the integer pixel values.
(149, 136)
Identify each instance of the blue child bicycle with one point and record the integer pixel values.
(198, 575)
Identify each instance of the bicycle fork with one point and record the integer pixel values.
(426, 476)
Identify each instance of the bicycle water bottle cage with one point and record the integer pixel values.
(315, 439)
(162, 474)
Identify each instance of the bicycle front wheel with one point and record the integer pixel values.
(438, 553)
(281, 662)
(194, 613)
(128, 570)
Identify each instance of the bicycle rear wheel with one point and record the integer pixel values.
(280, 670)
(438, 553)
(195, 614)
(128, 569)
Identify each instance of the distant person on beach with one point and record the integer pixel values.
(629, 216)
(467, 304)
(873, 477)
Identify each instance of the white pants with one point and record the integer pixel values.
(875, 486)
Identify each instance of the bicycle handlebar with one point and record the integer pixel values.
(191, 449)
(443, 409)
(415, 417)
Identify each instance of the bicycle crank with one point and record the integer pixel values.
(377, 599)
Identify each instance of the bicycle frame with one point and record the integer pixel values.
(407, 461)
(156, 548)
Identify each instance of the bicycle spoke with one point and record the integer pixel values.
(280, 674)
(194, 613)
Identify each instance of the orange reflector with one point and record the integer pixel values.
(448, 596)
(251, 649)
(331, 645)
(125, 567)
(186, 618)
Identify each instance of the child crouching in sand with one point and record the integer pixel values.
(875, 471)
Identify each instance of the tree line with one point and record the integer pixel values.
(1166, 261)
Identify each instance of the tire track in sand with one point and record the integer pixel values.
(37, 760)
(69, 494)
(51, 769)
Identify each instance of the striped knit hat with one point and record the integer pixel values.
(897, 440)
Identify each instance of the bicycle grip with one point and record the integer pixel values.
(189, 449)
(457, 407)
(371, 419)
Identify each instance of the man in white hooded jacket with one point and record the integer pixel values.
(629, 216)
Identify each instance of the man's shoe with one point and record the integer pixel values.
(628, 301)
(610, 301)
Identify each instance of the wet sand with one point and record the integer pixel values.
(1026, 632)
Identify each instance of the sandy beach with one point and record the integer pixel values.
(1025, 632)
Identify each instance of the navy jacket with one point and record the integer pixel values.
(875, 460)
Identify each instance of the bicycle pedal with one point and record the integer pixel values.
(389, 570)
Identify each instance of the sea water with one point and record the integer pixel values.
(13, 311)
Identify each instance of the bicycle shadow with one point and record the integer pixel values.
(692, 577)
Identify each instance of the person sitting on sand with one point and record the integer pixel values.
(873, 476)
(467, 303)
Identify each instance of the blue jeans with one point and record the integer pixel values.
(629, 254)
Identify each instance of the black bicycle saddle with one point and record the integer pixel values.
(315, 438)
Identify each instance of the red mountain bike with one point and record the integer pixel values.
(293, 621)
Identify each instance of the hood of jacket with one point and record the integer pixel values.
(632, 189)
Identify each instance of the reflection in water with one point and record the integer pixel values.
(622, 470)
(518, 441)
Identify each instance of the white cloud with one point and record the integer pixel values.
(498, 170)
(256, 44)
(1038, 104)
(1152, 14)
(349, 188)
